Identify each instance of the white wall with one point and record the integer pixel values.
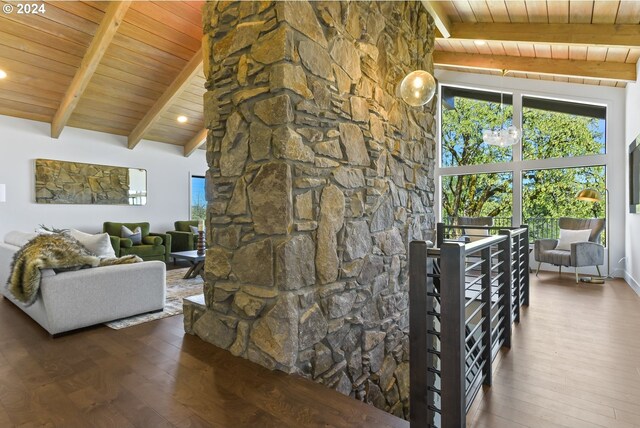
(632, 247)
(22, 141)
(617, 143)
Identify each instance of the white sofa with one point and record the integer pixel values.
(71, 300)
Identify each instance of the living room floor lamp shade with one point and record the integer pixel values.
(3, 193)
(592, 195)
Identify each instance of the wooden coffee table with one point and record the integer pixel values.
(197, 262)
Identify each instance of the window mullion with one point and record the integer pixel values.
(517, 121)
(517, 161)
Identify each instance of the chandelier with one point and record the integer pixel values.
(503, 136)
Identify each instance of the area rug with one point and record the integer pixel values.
(177, 289)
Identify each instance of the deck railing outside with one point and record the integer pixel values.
(539, 227)
(463, 298)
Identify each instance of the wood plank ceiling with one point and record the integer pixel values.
(132, 69)
(46, 56)
(595, 43)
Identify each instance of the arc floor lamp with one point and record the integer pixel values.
(592, 195)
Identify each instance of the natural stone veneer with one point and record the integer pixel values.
(319, 176)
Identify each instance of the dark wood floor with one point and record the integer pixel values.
(153, 375)
(575, 360)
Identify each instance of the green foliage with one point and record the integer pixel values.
(546, 193)
(551, 192)
(478, 194)
(462, 133)
(199, 210)
(549, 135)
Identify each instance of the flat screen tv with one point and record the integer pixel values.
(634, 176)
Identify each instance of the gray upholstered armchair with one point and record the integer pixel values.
(472, 234)
(473, 221)
(589, 253)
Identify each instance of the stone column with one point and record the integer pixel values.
(319, 177)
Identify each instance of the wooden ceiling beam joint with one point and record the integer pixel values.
(567, 34)
(113, 17)
(573, 68)
(443, 24)
(194, 144)
(179, 84)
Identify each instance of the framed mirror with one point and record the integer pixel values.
(61, 182)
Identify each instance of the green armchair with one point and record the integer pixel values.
(154, 246)
(183, 239)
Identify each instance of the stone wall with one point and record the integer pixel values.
(61, 182)
(319, 177)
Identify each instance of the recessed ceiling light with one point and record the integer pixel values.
(479, 42)
(3, 74)
(182, 119)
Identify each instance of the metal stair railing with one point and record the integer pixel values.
(463, 298)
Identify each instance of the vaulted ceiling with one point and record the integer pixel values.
(590, 42)
(126, 68)
(132, 68)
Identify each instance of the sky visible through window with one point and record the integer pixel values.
(197, 189)
(198, 198)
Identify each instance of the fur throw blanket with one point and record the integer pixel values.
(55, 251)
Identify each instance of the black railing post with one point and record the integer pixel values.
(432, 345)
(452, 335)
(525, 286)
(418, 335)
(439, 234)
(505, 290)
(486, 314)
(515, 245)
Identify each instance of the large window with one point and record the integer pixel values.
(198, 198)
(563, 151)
(548, 194)
(465, 114)
(556, 129)
(478, 195)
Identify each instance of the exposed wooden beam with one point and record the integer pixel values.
(626, 35)
(195, 143)
(439, 17)
(113, 16)
(164, 102)
(562, 67)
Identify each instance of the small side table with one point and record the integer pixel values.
(197, 262)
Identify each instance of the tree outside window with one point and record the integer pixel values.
(478, 195)
(551, 129)
(198, 198)
(463, 121)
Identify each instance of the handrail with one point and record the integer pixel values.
(469, 226)
(483, 243)
(463, 299)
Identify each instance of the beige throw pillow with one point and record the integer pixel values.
(569, 236)
(99, 244)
